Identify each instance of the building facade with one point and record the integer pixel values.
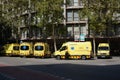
(74, 25)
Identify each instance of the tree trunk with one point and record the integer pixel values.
(94, 46)
(54, 39)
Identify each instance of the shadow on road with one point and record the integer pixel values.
(62, 72)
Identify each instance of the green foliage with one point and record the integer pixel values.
(50, 13)
(100, 13)
(12, 12)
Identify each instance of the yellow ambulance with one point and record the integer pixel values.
(41, 50)
(11, 49)
(26, 49)
(103, 50)
(75, 50)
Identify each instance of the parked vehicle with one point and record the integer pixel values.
(41, 50)
(103, 50)
(75, 50)
(26, 49)
(11, 49)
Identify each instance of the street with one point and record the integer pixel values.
(96, 69)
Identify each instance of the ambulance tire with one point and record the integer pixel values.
(21, 56)
(98, 57)
(83, 57)
(43, 57)
(58, 57)
(67, 55)
(9, 55)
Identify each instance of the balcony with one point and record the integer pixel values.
(76, 22)
(74, 7)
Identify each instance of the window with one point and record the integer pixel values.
(76, 3)
(83, 29)
(76, 30)
(38, 47)
(69, 16)
(25, 34)
(72, 15)
(63, 48)
(71, 3)
(76, 16)
(70, 31)
(24, 47)
(81, 3)
(103, 48)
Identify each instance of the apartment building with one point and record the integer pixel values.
(75, 25)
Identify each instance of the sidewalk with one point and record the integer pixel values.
(17, 73)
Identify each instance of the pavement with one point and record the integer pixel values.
(4, 77)
(19, 73)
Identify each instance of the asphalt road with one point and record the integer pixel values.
(97, 69)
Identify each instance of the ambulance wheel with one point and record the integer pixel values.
(9, 55)
(98, 57)
(21, 56)
(58, 57)
(83, 57)
(67, 55)
(43, 57)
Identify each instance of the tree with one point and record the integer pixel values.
(13, 12)
(3, 22)
(10, 13)
(51, 14)
(100, 14)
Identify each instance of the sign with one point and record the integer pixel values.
(82, 37)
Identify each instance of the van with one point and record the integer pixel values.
(75, 50)
(103, 50)
(41, 50)
(11, 49)
(26, 49)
